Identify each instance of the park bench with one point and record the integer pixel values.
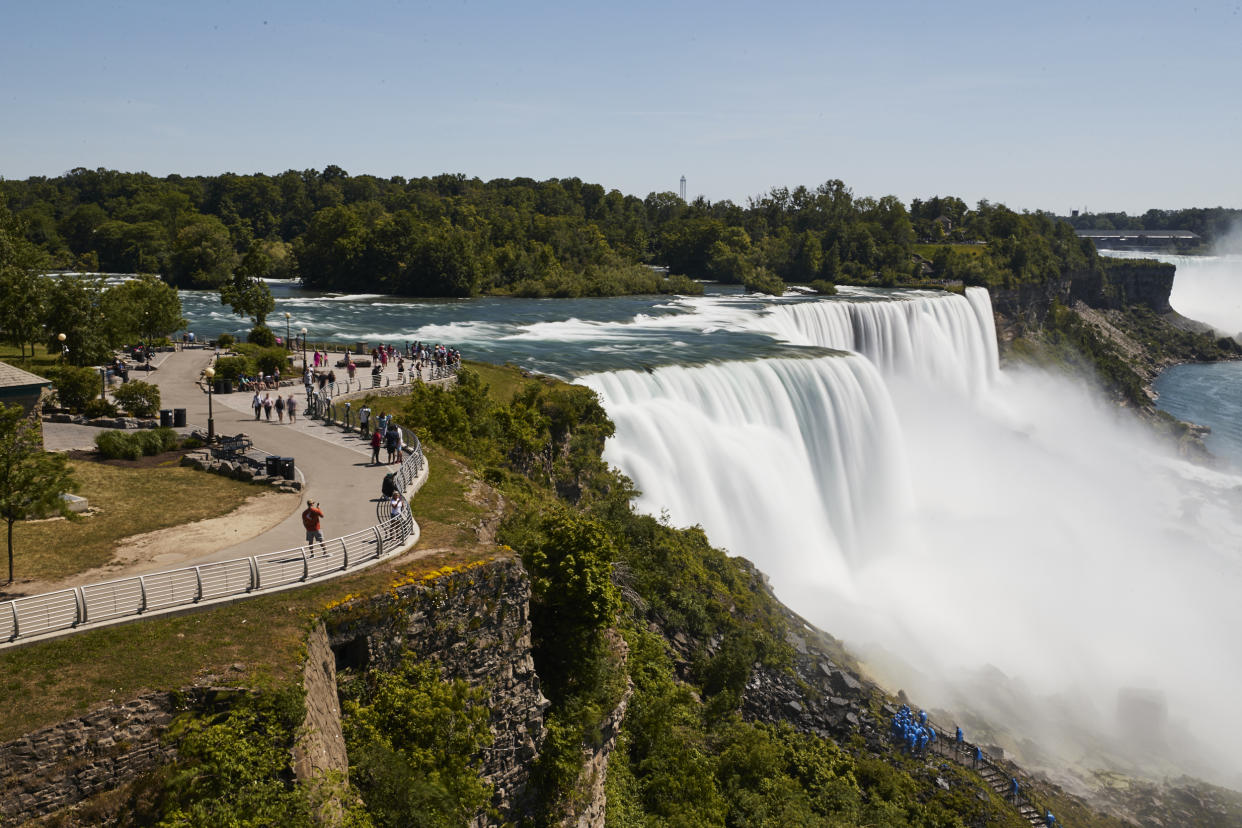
(230, 448)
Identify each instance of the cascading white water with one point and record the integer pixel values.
(942, 337)
(813, 442)
(945, 525)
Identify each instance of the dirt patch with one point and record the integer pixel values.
(178, 546)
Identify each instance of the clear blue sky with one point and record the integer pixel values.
(1040, 105)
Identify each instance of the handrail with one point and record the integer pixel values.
(95, 604)
(946, 745)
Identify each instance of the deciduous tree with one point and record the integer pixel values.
(31, 480)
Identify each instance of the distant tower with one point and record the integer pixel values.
(683, 188)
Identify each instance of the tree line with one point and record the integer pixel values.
(450, 235)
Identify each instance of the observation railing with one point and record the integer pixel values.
(85, 606)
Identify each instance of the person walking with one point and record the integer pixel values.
(267, 406)
(377, 440)
(280, 408)
(291, 406)
(311, 520)
(257, 403)
(390, 441)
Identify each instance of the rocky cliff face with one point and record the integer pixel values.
(475, 624)
(1114, 285)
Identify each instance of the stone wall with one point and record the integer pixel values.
(61, 765)
(475, 624)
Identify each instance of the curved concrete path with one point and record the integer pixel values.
(335, 466)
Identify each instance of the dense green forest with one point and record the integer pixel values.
(450, 235)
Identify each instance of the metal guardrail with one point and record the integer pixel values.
(80, 607)
(964, 753)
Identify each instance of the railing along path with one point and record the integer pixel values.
(77, 607)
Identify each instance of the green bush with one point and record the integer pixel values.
(139, 399)
(224, 340)
(824, 286)
(763, 280)
(192, 442)
(75, 387)
(261, 335)
(233, 368)
(99, 407)
(118, 445)
(271, 360)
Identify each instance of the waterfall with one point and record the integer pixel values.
(798, 461)
(943, 337)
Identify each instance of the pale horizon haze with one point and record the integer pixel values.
(1055, 106)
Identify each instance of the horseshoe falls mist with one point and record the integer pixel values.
(1005, 545)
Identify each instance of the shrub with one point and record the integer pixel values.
(824, 286)
(764, 281)
(99, 407)
(139, 399)
(225, 340)
(271, 360)
(118, 445)
(261, 335)
(192, 442)
(75, 387)
(232, 368)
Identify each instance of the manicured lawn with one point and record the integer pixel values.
(41, 358)
(129, 501)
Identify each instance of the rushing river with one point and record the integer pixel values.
(1008, 545)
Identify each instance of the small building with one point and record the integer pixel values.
(21, 387)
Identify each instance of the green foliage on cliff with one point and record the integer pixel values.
(414, 743)
(233, 770)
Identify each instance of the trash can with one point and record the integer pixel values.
(218, 386)
(228, 386)
(165, 418)
(179, 417)
(361, 349)
(272, 465)
(286, 468)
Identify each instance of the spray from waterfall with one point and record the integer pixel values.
(952, 523)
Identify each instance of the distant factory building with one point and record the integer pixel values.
(1141, 239)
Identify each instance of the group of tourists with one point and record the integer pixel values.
(914, 733)
(283, 405)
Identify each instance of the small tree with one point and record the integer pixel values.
(139, 399)
(75, 387)
(31, 480)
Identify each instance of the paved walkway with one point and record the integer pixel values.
(335, 466)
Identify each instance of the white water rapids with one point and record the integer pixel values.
(949, 520)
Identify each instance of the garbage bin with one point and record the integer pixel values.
(272, 465)
(228, 386)
(361, 349)
(179, 417)
(165, 418)
(218, 386)
(286, 468)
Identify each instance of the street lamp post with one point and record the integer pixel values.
(288, 344)
(64, 349)
(304, 350)
(211, 420)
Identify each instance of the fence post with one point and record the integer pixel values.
(379, 542)
(254, 574)
(198, 577)
(305, 563)
(13, 609)
(79, 600)
(344, 554)
(142, 588)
